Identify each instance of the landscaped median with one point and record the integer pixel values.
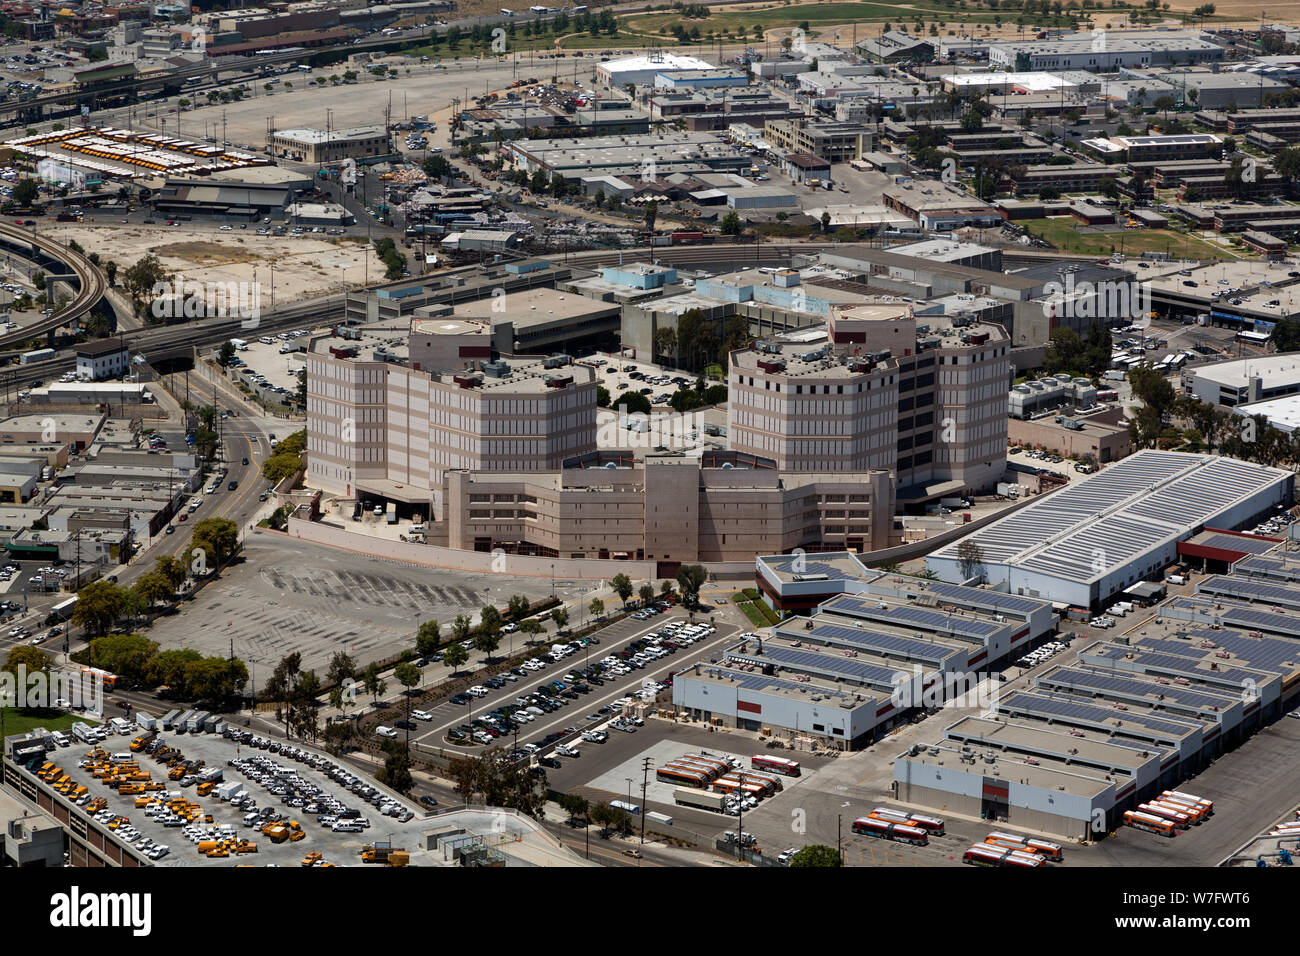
(752, 604)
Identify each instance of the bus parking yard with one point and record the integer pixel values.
(176, 799)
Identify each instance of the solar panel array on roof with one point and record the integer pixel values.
(1232, 542)
(979, 596)
(1269, 566)
(857, 637)
(1250, 589)
(1070, 507)
(941, 622)
(829, 664)
(786, 564)
(1177, 664)
(1263, 653)
(1256, 620)
(1110, 519)
(759, 682)
(1098, 547)
(1192, 498)
(1146, 691)
(1168, 730)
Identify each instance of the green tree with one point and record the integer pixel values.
(427, 638)
(26, 192)
(633, 402)
(341, 667)
(561, 618)
(454, 656)
(531, 627)
(622, 586)
(99, 605)
(690, 578)
(817, 854)
(409, 676)
(33, 660)
(225, 353)
(283, 688)
(396, 772)
(731, 224)
(125, 654)
(154, 588)
(171, 569)
(217, 537)
(597, 608)
(140, 279)
(651, 214)
(372, 682)
(647, 593)
(487, 640)
(461, 627)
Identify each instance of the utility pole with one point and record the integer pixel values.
(646, 764)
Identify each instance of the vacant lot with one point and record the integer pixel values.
(1062, 232)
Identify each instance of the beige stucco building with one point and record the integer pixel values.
(923, 397)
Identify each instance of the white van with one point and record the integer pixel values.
(1175, 579)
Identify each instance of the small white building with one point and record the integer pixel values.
(102, 359)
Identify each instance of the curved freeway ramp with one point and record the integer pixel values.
(91, 281)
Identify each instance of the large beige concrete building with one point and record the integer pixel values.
(920, 398)
(502, 453)
(378, 426)
(717, 506)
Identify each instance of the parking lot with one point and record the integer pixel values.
(291, 595)
(269, 364)
(562, 713)
(282, 784)
(655, 383)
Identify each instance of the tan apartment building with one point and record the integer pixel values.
(835, 142)
(811, 410)
(716, 506)
(376, 425)
(944, 432)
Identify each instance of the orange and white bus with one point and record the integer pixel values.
(706, 769)
(1193, 810)
(731, 785)
(989, 854)
(981, 855)
(932, 825)
(1190, 799)
(1043, 848)
(682, 776)
(1152, 824)
(891, 831)
(751, 783)
(1176, 817)
(771, 780)
(1021, 858)
(781, 765)
(719, 766)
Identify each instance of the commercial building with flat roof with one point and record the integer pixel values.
(1082, 52)
(1086, 542)
(865, 660)
(1259, 381)
(329, 146)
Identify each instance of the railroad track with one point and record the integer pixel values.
(212, 332)
(91, 283)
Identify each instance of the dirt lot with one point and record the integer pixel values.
(304, 267)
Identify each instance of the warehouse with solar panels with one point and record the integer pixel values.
(877, 649)
(1085, 543)
(1132, 715)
